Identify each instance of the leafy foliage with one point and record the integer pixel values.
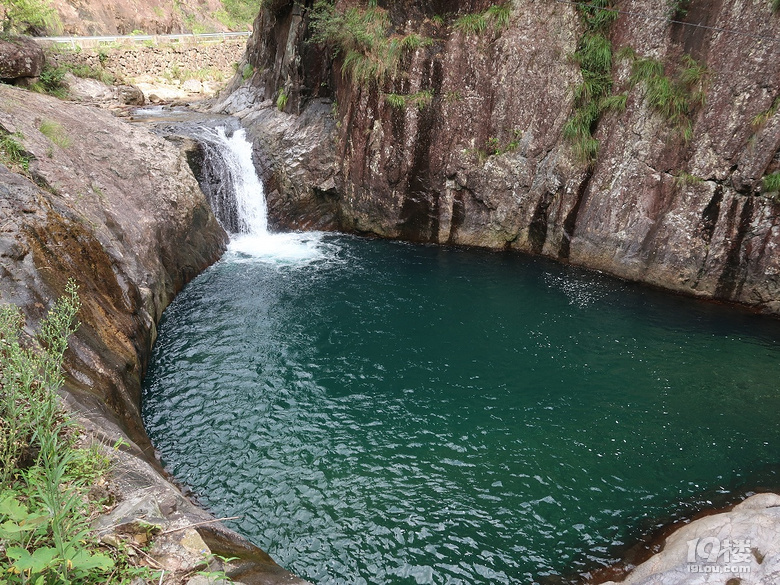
(238, 14)
(29, 17)
(677, 9)
(50, 81)
(43, 510)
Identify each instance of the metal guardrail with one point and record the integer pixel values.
(203, 37)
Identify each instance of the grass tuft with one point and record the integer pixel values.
(422, 99)
(55, 132)
(675, 98)
(771, 183)
(685, 179)
(281, 100)
(361, 36)
(12, 153)
(497, 16)
(471, 24)
(761, 119)
(396, 100)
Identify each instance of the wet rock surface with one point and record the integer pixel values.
(116, 209)
(486, 163)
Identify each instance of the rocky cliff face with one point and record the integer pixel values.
(471, 141)
(104, 17)
(118, 210)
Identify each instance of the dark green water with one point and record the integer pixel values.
(392, 413)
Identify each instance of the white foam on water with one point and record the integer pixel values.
(253, 242)
(282, 249)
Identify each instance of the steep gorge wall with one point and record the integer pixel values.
(486, 163)
(116, 209)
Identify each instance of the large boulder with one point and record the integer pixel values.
(20, 57)
(92, 91)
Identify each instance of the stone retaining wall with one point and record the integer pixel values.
(172, 61)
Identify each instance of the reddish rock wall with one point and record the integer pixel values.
(685, 215)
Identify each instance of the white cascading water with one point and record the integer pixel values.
(249, 191)
(252, 240)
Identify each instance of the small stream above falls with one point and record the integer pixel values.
(383, 413)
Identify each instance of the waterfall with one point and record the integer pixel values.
(237, 197)
(235, 193)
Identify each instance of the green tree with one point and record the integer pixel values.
(35, 17)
